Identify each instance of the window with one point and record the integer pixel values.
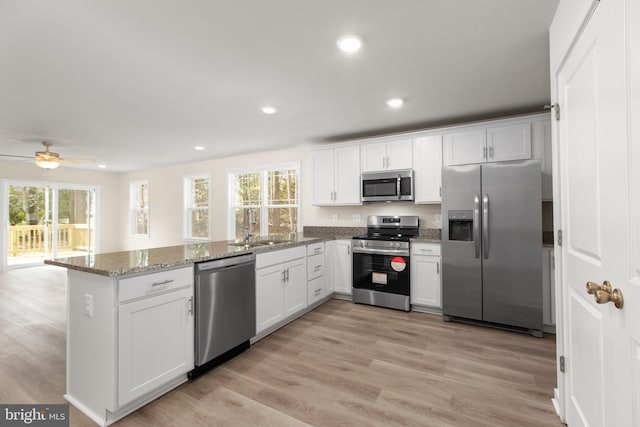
(264, 201)
(139, 206)
(196, 206)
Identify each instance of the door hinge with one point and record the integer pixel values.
(556, 109)
(559, 237)
(561, 363)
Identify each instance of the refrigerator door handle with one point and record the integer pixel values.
(476, 224)
(485, 226)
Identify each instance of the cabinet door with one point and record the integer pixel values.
(463, 148)
(399, 154)
(295, 287)
(425, 281)
(342, 265)
(427, 166)
(347, 176)
(511, 142)
(323, 174)
(269, 296)
(155, 343)
(374, 156)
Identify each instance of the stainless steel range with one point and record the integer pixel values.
(381, 270)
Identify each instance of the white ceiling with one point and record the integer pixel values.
(137, 83)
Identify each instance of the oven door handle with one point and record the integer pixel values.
(403, 252)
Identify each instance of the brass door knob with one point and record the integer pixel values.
(603, 294)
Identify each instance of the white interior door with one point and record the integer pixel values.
(600, 206)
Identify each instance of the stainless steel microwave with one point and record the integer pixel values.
(387, 186)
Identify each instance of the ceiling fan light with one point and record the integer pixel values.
(47, 163)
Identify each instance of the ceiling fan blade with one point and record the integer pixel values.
(19, 157)
(77, 160)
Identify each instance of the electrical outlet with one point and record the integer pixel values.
(88, 305)
(438, 218)
(334, 217)
(356, 217)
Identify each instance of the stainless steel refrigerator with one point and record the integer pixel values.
(492, 244)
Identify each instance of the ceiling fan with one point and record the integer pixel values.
(48, 159)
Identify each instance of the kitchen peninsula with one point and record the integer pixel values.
(130, 319)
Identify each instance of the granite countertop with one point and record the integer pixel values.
(116, 264)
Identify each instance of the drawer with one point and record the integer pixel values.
(153, 283)
(425, 249)
(315, 290)
(315, 249)
(315, 266)
(280, 256)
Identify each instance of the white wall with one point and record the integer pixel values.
(108, 182)
(166, 198)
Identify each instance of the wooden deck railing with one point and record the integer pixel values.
(24, 239)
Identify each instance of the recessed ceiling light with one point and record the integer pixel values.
(395, 102)
(349, 43)
(268, 110)
(102, 166)
(198, 147)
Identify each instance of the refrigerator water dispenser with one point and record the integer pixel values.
(461, 226)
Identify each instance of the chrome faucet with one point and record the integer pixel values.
(248, 218)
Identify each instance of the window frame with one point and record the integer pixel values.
(263, 207)
(133, 208)
(187, 185)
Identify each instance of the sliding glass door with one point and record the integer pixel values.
(47, 221)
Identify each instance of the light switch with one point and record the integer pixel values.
(438, 218)
(356, 217)
(335, 217)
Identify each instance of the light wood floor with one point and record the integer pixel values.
(342, 364)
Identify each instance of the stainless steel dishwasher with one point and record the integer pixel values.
(225, 302)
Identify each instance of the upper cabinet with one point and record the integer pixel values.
(336, 176)
(541, 138)
(491, 144)
(427, 168)
(390, 155)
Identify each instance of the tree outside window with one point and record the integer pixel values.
(265, 201)
(139, 203)
(196, 190)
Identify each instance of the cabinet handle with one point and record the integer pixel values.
(287, 270)
(317, 292)
(440, 191)
(348, 250)
(317, 268)
(484, 155)
(191, 306)
(491, 151)
(284, 275)
(438, 267)
(164, 282)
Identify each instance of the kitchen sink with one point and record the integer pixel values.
(255, 243)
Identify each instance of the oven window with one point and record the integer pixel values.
(385, 273)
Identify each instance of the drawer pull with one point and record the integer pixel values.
(317, 292)
(164, 282)
(317, 268)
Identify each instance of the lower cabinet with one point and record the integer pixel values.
(129, 340)
(155, 342)
(339, 267)
(426, 283)
(316, 283)
(281, 285)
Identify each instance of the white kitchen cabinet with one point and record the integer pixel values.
(389, 155)
(315, 272)
(427, 168)
(488, 144)
(339, 273)
(426, 283)
(281, 285)
(129, 340)
(541, 141)
(336, 176)
(548, 287)
(155, 342)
